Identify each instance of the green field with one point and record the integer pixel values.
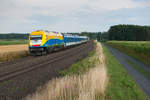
(120, 86)
(140, 50)
(141, 70)
(12, 42)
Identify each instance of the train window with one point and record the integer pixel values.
(36, 38)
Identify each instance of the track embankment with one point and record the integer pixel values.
(88, 85)
(22, 77)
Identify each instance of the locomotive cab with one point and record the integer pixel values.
(42, 42)
(36, 40)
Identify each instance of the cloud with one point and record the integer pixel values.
(63, 7)
(63, 15)
(16, 8)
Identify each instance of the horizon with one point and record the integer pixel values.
(73, 32)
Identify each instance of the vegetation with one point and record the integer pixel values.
(140, 50)
(103, 37)
(9, 56)
(126, 33)
(76, 85)
(91, 35)
(141, 70)
(11, 52)
(117, 32)
(14, 36)
(12, 42)
(129, 33)
(80, 66)
(121, 86)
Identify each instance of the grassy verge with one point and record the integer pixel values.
(84, 80)
(12, 42)
(137, 49)
(81, 65)
(141, 70)
(121, 86)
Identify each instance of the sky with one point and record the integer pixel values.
(25, 16)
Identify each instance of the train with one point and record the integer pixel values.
(42, 41)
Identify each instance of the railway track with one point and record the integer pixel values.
(21, 70)
(23, 76)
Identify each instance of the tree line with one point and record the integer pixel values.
(129, 33)
(116, 32)
(14, 36)
(91, 35)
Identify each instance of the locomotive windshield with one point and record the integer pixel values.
(36, 37)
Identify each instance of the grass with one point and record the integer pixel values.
(141, 70)
(121, 86)
(81, 65)
(12, 42)
(140, 50)
(84, 80)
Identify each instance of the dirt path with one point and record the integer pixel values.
(26, 83)
(140, 79)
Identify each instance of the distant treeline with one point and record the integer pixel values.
(129, 33)
(14, 36)
(117, 32)
(121, 33)
(91, 35)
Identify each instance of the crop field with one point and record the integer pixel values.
(12, 42)
(12, 48)
(140, 50)
(11, 52)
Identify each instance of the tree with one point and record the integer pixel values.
(129, 33)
